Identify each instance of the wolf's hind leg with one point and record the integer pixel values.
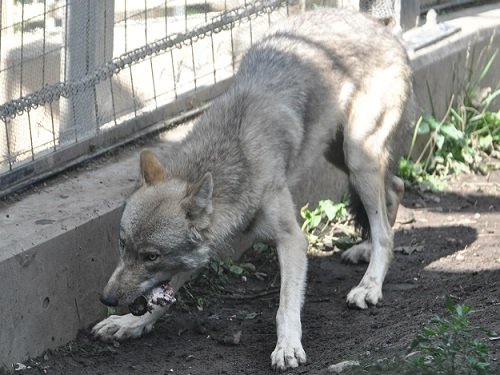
(366, 148)
(358, 253)
(394, 193)
(395, 189)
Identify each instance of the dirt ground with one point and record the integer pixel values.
(455, 237)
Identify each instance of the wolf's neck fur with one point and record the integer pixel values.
(214, 145)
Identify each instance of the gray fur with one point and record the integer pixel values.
(329, 82)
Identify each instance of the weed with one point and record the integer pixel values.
(214, 278)
(332, 216)
(450, 346)
(464, 141)
(326, 212)
(227, 266)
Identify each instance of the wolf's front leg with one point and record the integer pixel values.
(292, 247)
(122, 327)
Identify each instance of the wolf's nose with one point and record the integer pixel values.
(109, 300)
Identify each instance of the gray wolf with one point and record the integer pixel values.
(327, 83)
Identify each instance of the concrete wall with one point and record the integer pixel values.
(448, 67)
(58, 245)
(50, 291)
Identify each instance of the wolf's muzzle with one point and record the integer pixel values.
(109, 300)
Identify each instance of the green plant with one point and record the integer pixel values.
(213, 278)
(328, 225)
(227, 266)
(463, 141)
(317, 220)
(450, 345)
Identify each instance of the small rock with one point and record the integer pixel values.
(231, 339)
(435, 199)
(477, 216)
(405, 215)
(408, 250)
(237, 338)
(342, 366)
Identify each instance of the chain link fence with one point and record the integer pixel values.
(79, 77)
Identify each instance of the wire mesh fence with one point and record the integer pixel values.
(80, 76)
(74, 70)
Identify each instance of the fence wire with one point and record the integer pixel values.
(222, 22)
(78, 77)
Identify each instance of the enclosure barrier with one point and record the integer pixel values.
(101, 101)
(79, 77)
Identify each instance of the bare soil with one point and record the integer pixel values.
(455, 241)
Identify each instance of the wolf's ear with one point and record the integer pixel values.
(151, 169)
(198, 201)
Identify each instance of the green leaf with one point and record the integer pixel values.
(236, 270)
(439, 138)
(315, 220)
(468, 155)
(431, 121)
(450, 132)
(429, 331)
(424, 128)
(332, 210)
(448, 303)
(486, 142)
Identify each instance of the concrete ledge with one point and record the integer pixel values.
(58, 245)
(448, 67)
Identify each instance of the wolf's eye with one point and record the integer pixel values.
(151, 257)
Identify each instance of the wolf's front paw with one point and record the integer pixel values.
(287, 355)
(121, 327)
(366, 293)
(358, 253)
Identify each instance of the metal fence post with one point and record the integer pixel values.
(105, 16)
(408, 13)
(78, 58)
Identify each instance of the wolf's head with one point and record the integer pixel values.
(161, 232)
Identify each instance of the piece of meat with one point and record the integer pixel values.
(162, 295)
